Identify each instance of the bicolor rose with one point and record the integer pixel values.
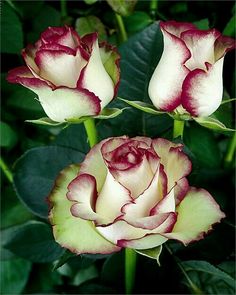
(129, 193)
(72, 76)
(188, 77)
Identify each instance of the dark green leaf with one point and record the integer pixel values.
(203, 145)
(229, 30)
(35, 173)
(34, 241)
(11, 28)
(14, 275)
(8, 137)
(211, 279)
(12, 210)
(137, 21)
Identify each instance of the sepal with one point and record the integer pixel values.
(153, 253)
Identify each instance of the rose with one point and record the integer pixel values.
(188, 76)
(129, 193)
(72, 76)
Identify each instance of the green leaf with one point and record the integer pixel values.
(137, 21)
(122, 7)
(211, 279)
(109, 113)
(34, 241)
(212, 123)
(153, 253)
(206, 150)
(90, 24)
(145, 107)
(8, 137)
(45, 121)
(14, 275)
(229, 30)
(36, 171)
(11, 28)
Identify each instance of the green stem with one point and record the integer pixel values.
(121, 26)
(63, 9)
(231, 150)
(6, 170)
(130, 267)
(153, 7)
(91, 131)
(194, 288)
(178, 129)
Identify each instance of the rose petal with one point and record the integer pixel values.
(201, 45)
(95, 78)
(203, 90)
(176, 28)
(142, 205)
(82, 190)
(111, 61)
(181, 189)
(147, 242)
(167, 204)
(75, 234)
(197, 212)
(222, 45)
(137, 178)
(94, 162)
(165, 86)
(176, 163)
(78, 102)
(52, 65)
(112, 198)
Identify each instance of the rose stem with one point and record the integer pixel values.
(178, 129)
(230, 151)
(194, 288)
(6, 170)
(63, 9)
(153, 7)
(130, 266)
(91, 131)
(121, 26)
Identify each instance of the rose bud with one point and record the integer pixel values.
(188, 77)
(72, 76)
(129, 193)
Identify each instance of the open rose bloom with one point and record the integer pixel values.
(129, 193)
(72, 76)
(188, 77)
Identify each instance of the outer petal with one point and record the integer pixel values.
(203, 90)
(165, 86)
(53, 64)
(176, 163)
(112, 198)
(201, 45)
(111, 62)
(96, 79)
(147, 242)
(196, 214)
(75, 234)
